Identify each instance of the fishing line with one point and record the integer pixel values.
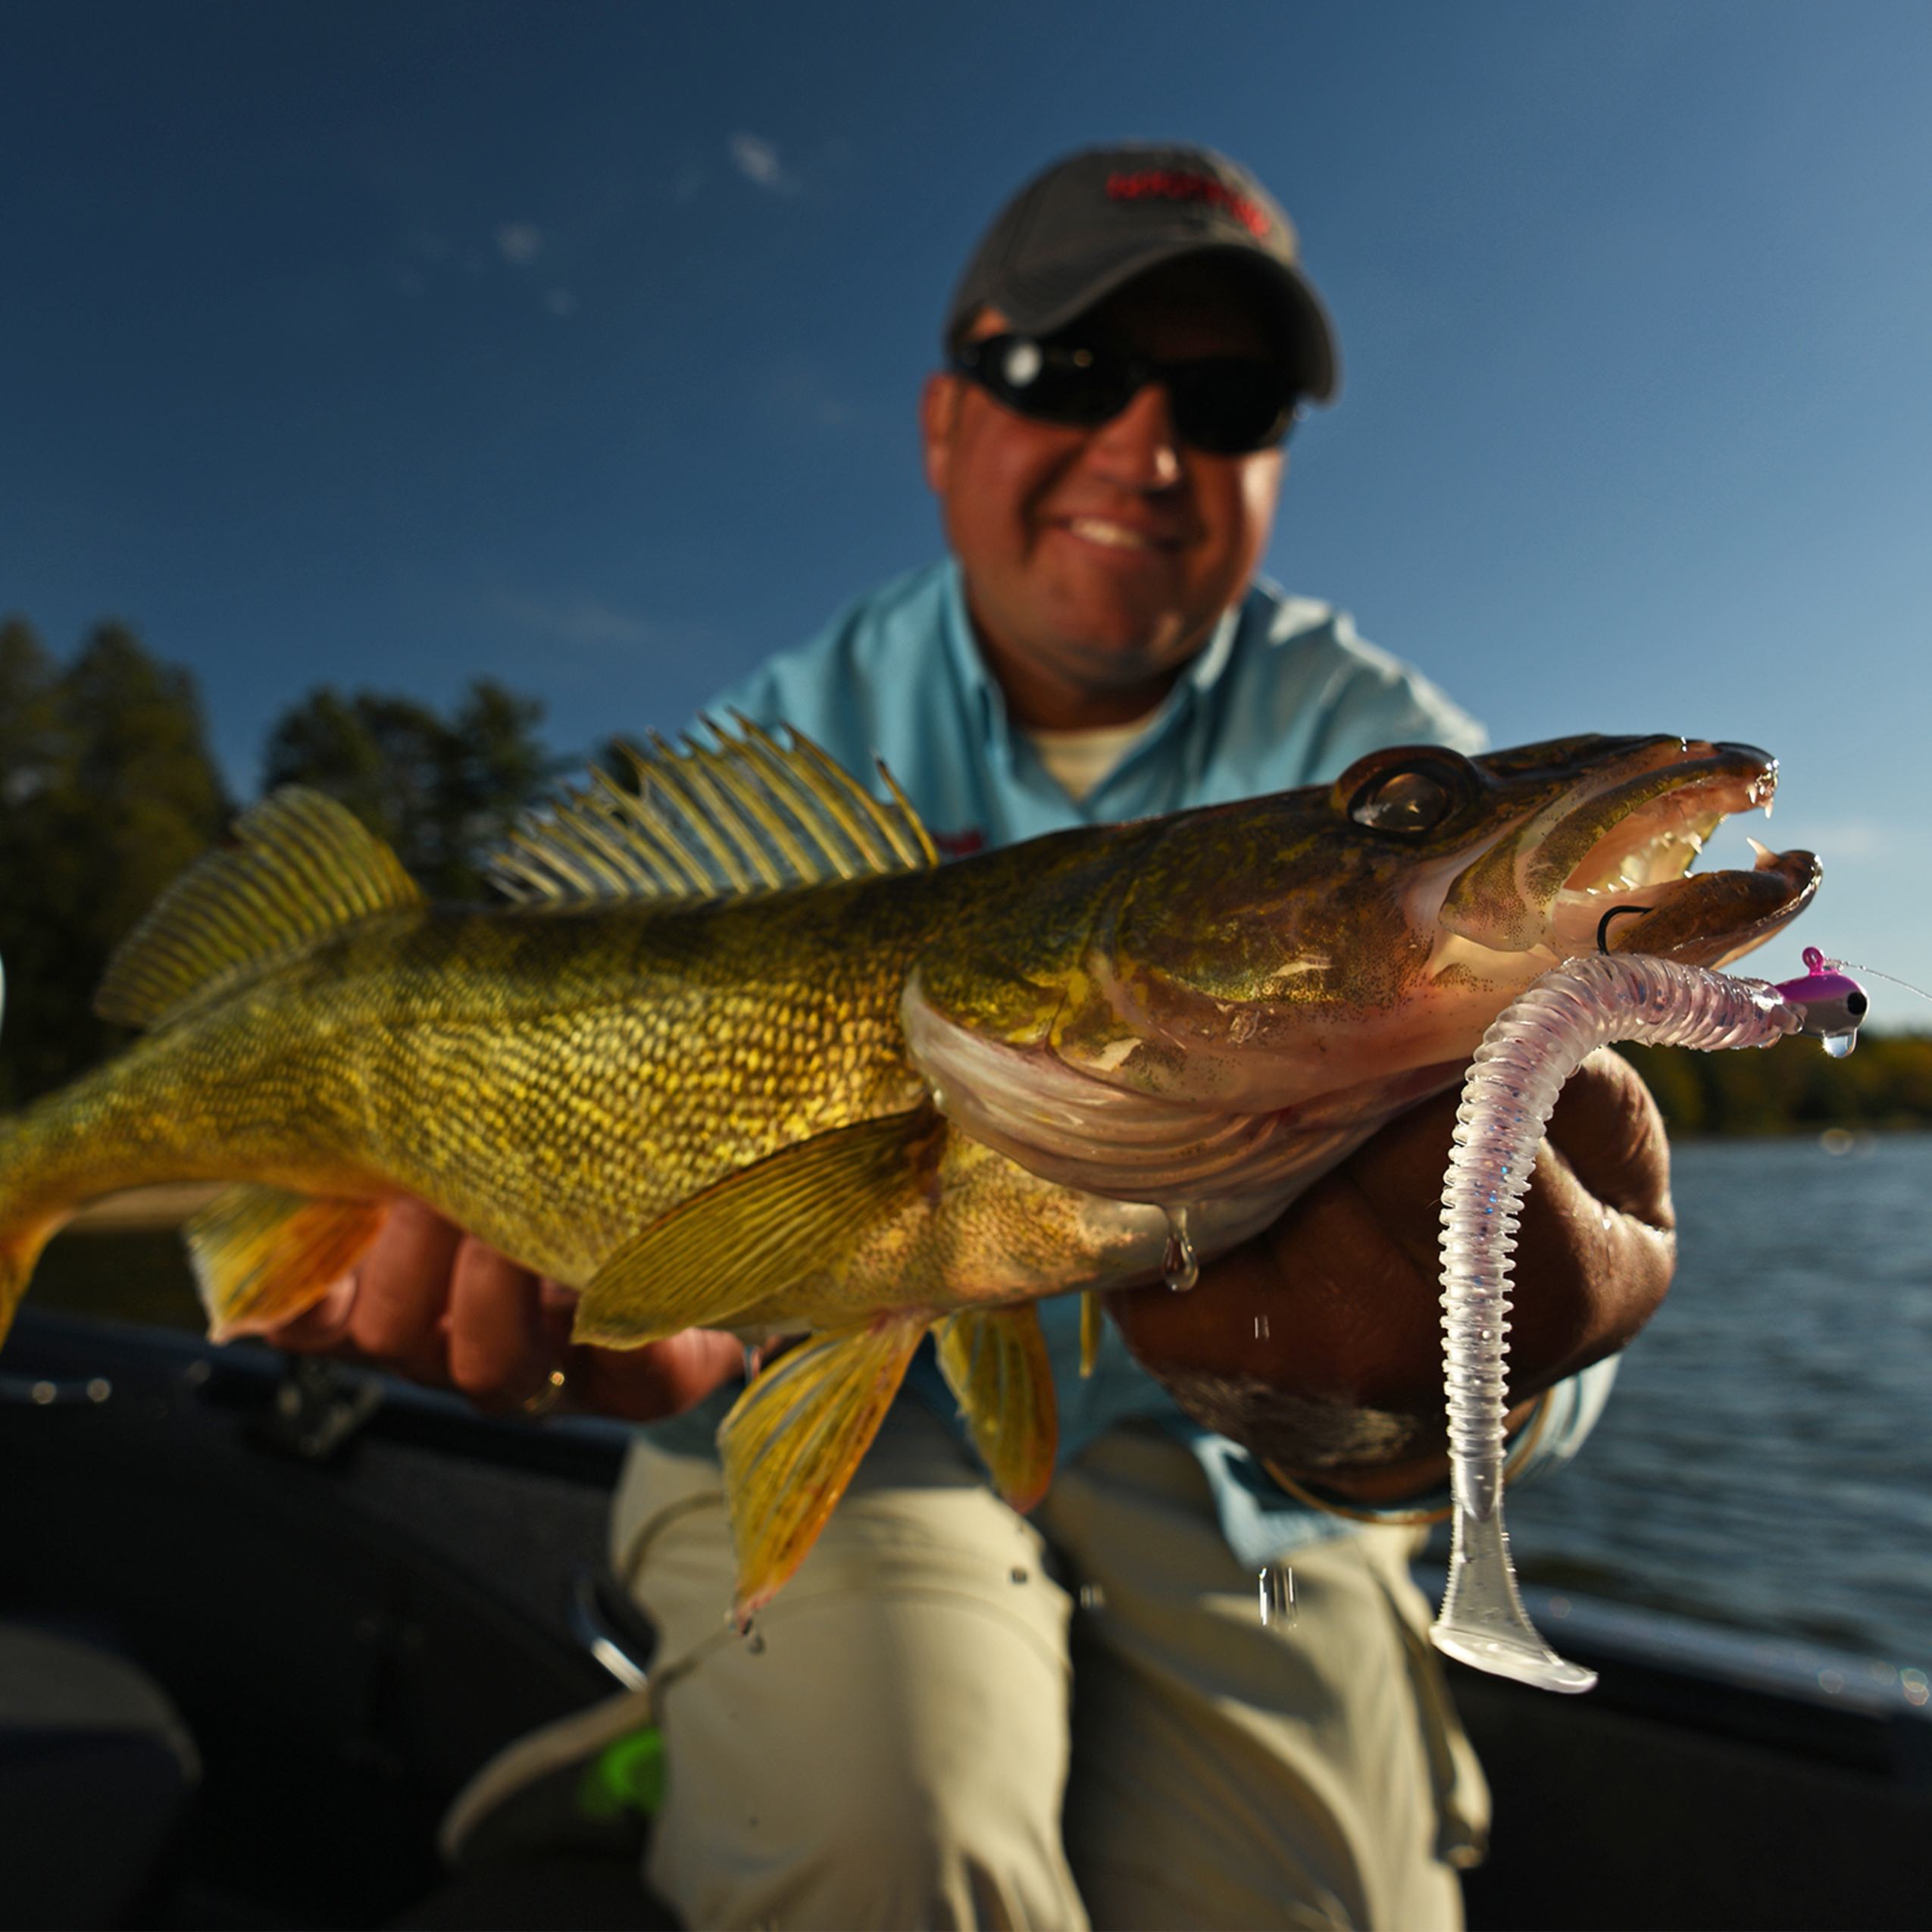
(1839, 965)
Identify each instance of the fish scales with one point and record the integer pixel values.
(583, 1073)
(883, 1097)
(678, 1047)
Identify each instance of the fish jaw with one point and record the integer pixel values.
(1712, 918)
(1634, 827)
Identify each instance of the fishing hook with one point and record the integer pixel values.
(1615, 912)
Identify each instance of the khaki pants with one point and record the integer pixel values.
(924, 1731)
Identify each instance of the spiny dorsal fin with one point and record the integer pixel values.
(749, 815)
(302, 865)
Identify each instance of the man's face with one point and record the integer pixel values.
(1098, 561)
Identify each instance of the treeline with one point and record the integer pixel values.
(1792, 1087)
(108, 789)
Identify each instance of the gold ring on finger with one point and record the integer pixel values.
(546, 1398)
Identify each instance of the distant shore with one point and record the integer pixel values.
(1791, 1088)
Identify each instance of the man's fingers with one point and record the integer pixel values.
(402, 1290)
(1598, 1219)
(318, 1329)
(501, 1347)
(446, 1308)
(1329, 1303)
(1607, 1129)
(1335, 1305)
(661, 1378)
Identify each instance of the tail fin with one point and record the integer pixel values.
(19, 1252)
(19, 1249)
(20, 1245)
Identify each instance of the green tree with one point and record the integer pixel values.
(443, 793)
(107, 792)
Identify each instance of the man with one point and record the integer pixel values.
(923, 1727)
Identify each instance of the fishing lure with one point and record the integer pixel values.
(1532, 1048)
(1831, 1006)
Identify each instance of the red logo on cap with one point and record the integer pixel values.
(1179, 185)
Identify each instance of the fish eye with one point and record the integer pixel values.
(1406, 801)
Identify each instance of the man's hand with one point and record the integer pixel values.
(438, 1306)
(1318, 1344)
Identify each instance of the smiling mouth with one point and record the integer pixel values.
(1110, 536)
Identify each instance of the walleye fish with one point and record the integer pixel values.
(745, 1056)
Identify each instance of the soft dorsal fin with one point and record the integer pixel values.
(748, 815)
(301, 865)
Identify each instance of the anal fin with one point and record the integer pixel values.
(996, 1362)
(794, 1438)
(262, 1255)
(750, 1238)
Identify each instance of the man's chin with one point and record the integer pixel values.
(1100, 635)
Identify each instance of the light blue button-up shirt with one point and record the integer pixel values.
(1284, 695)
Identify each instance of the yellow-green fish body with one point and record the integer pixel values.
(705, 1079)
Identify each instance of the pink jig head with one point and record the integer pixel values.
(1831, 1006)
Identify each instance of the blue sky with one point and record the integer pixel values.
(578, 345)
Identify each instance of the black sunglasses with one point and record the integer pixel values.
(1229, 405)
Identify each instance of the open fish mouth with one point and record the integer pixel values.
(1706, 918)
(1611, 871)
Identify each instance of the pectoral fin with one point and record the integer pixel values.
(261, 1255)
(759, 1233)
(794, 1438)
(996, 1363)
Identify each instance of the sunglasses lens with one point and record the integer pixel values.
(1057, 382)
(1227, 405)
(1230, 407)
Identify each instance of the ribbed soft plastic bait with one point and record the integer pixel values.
(1532, 1048)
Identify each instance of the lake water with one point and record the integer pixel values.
(1767, 1459)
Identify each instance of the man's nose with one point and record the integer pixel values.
(1138, 449)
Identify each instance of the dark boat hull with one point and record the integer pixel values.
(355, 1606)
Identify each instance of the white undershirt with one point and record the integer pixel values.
(1078, 760)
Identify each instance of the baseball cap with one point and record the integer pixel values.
(1095, 221)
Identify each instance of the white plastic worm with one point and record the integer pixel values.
(1532, 1048)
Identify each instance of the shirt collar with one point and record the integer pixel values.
(1204, 673)
(969, 668)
